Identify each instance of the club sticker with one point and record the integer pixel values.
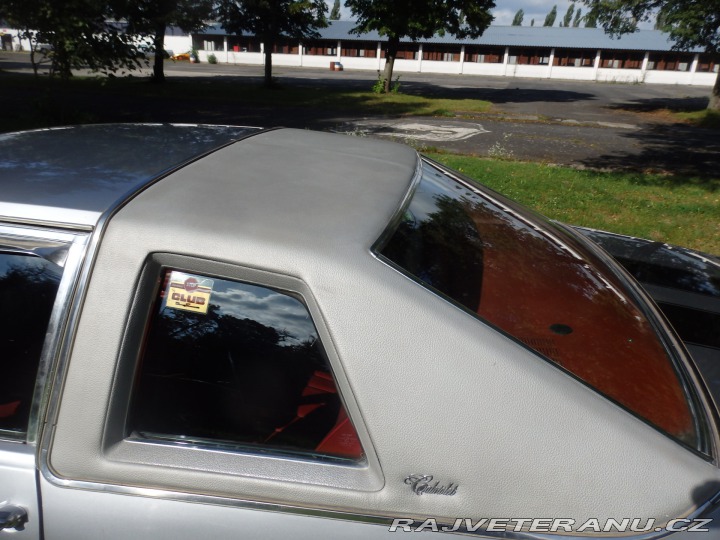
(188, 293)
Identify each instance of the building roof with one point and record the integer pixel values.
(515, 36)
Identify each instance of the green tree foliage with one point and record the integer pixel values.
(578, 18)
(271, 19)
(335, 13)
(76, 30)
(418, 19)
(591, 20)
(567, 20)
(519, 16)
(550, 17)
(150, 19)
(690, 23)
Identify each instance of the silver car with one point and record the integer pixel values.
(229, 332)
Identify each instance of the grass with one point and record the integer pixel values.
(355, 101)
(678, 210)
(93, 99)
(705, 118)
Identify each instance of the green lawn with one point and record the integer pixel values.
(678, 210)
(94, 99)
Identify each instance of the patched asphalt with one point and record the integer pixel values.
(581, 124)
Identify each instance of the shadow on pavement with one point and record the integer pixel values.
(683, 104)
(497, 95)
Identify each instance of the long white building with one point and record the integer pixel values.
(587, 54)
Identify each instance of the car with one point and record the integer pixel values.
(273, 333)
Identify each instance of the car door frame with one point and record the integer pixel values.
(19, 455)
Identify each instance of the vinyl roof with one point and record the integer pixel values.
(516, 36)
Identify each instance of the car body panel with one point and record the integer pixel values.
(400, 409)
(430, 389)
(82, 172)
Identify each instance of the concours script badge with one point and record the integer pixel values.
(422, 484)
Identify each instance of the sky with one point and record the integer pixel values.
(534, 9)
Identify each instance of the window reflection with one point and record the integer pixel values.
(542, 287)
(28, 286)
(238, 364)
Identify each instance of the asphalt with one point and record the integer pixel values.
(581, 124)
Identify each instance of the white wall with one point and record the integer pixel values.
(573, 73)
(434, 66)
(480, 68)
(178, 44)
(621, 75)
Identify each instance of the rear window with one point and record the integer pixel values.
(543, 287)
(239, 366)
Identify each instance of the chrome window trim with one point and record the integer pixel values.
(273, 464)
(696, 391)
(76, 243)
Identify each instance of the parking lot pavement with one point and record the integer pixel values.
(565, 122)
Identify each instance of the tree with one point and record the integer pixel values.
(335, 13)
(550, 17)
(518, 20)
(578, 18)
(78, 32)
(591, 20)
(269, 20)
(150, 18)
(418, 19)
(690, 23)
(567, 20)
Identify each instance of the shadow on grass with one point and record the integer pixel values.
(684, 104)
(690, 156)
(499, 95)
(37, 102)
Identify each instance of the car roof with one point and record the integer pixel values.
(285, 187)
(71, 176)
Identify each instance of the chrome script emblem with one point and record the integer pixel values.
(422, 484)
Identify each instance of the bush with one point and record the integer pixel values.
(379, 86)
(212, 59)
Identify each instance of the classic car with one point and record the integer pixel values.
(243, 333)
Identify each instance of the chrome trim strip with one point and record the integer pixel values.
(58, 320)
(40, 223)
(58, 316)
(64, 341)
(404, 204)
(368, 519)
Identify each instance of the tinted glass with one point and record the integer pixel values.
(28, 286)
(543, 287)
(234, 364)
